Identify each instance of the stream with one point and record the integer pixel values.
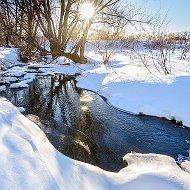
(81, 124)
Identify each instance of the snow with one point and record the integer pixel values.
(186, 166)
(7, 80)
(16, 71)
(21, 109)
(28, 78)
(29, 160)
(11, 79)
(9, 55)
(2, 88)
(21, 84)
(4, 81)
(58, 69)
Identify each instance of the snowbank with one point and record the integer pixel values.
(21, 109)
(21, 84)
(28, 78)
(9, 56)
(11, 79)
(186, 166)
(28, 160)
(17, 71)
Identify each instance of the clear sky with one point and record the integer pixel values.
(178, 12)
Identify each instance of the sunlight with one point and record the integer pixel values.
(86, 98)
(86, 11)
(84, 108)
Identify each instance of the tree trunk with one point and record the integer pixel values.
(7, 41)
(76, 58)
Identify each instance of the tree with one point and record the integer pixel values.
(61, 24)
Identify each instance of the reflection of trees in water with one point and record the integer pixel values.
(72, 130)
(36, 99)
(61, 95)
(56, 100)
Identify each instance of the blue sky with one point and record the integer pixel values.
(178, 12)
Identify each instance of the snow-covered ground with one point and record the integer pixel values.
(186, 166)
(2, 88)
(29, 160)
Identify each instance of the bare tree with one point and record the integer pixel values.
(104, 49)
(58, 21)
(157, 49)
(184, 41)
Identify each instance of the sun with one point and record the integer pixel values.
(86, 11)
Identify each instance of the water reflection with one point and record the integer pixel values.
(83, 126)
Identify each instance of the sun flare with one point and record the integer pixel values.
(84, 108)
(86, 11)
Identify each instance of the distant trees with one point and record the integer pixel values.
(162, 45)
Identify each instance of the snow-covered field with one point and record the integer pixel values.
(29, 161)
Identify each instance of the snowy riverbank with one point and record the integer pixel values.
(125, 82)
(128, 85)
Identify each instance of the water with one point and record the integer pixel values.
(81, 125)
